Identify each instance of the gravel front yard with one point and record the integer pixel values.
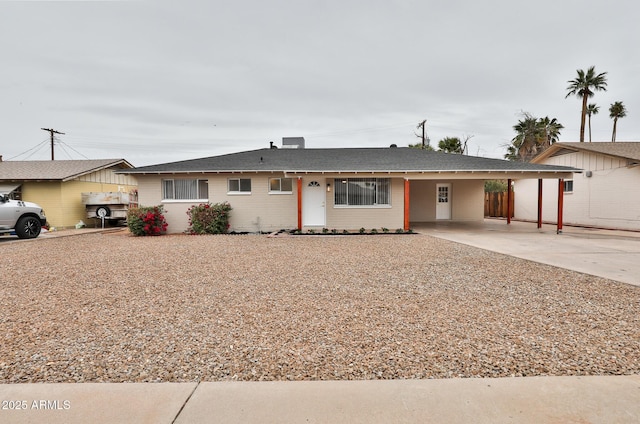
(116, 308)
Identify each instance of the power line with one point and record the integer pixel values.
(62, 144)
(37, 148)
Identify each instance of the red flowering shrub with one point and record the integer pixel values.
(146, 221)
(207, 218)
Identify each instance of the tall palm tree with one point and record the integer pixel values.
(583, 87)
(592, 109)
(617, 110)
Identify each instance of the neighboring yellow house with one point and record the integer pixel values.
(57, 185)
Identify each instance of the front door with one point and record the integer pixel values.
(313, 203)
(443, 201)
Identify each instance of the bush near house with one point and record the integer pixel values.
(146, 221)
(207, 218)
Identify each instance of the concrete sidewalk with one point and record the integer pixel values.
(599, 399)
(610, 254)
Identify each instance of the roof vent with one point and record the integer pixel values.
(272, 146)
(293, 142)
(393, 146)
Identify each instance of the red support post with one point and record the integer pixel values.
(540, 203)
(406, 205)
(300, 203)
(509, 201)
(560, 204)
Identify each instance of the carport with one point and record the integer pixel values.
(437, 189)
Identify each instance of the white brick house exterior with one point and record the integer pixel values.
(605, 195)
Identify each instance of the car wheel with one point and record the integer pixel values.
(103, 212)
(28, 227)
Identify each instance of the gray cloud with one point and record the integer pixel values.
(192, 79)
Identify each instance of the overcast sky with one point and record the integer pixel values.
(155, 82)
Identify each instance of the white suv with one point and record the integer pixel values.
(25, 218)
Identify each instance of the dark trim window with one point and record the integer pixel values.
(362, 192)
(280, 185)
(185, 189)
(239, 185)
(568, 186)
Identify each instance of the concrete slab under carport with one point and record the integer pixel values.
(610, 254)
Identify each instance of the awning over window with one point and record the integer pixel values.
(8, 188)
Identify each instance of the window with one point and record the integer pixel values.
(362, 192)
(280, 185)
(239, 185)
(568, 186)
(185, 189)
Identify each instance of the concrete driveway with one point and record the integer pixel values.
(605, 253)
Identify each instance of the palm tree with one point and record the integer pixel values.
(551, 129)
(533, 136)
(529, 137)
(583, 87)
(592, 109)
(617, 110)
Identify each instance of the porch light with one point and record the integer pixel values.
(328, 186)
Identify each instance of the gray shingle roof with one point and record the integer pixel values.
(400, 159)
(625, 150)
(63, 170)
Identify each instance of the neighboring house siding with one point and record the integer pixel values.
(610, 198)
(107, 176)
(47, 194)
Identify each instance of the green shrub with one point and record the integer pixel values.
(207, 218)
(146, 221)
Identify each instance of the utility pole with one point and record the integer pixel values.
(423, 125)
(52, 132)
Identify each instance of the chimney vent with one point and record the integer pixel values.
(293, 142)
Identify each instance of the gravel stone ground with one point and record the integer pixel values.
(116, 308)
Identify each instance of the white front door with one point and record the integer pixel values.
(443, 201)
(313, 203)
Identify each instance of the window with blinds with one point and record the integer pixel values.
(362, 192)
(185, 189)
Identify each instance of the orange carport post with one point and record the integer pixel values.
(560, 204)
(539, 202)
(509, 201)
(406, 205)
(300, 203)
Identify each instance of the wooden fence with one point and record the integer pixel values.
(495, 204)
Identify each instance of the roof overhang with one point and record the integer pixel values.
(8, 188)
(409, 174)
